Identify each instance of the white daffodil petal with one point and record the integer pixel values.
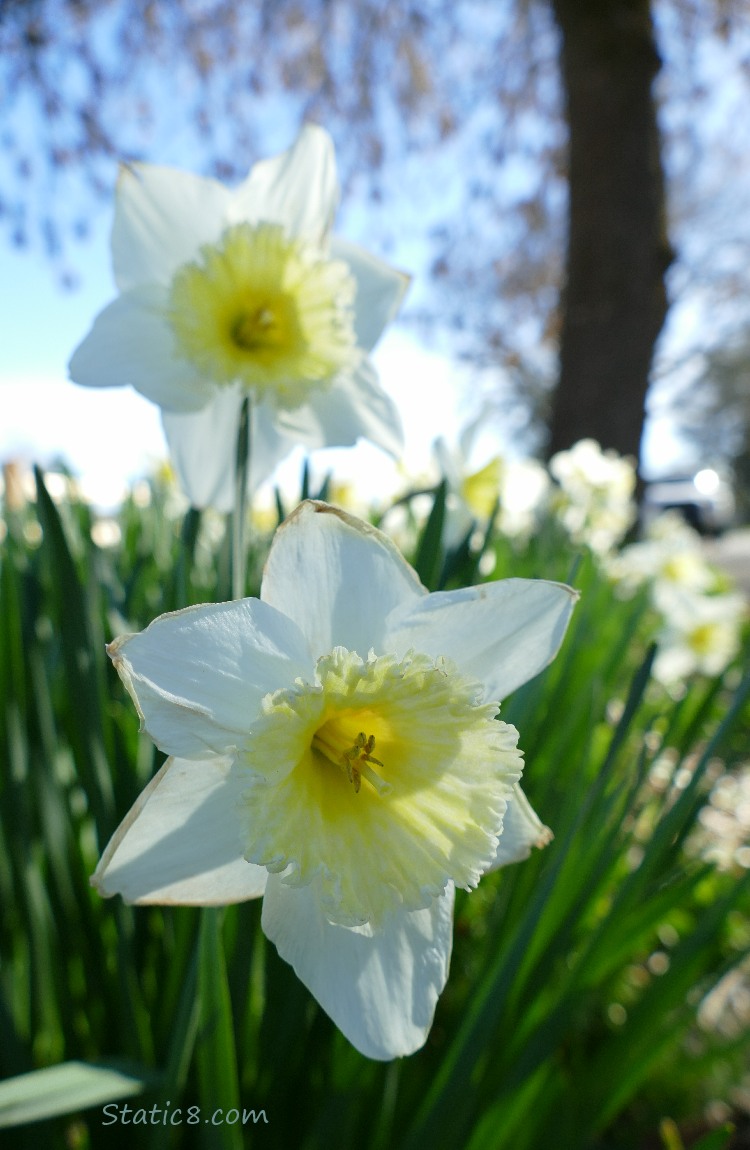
(298, 188)
(503, 633)
(131, 343)
(448, 463)
(380, 290)
(269, 444)
(181, 841)
(380, 990)
(203, 448)
(522, 830)
(197, 676)
(162, 216)
(353, 406)
(337, 578)
(673, 665)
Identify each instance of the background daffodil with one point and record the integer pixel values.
(232, 292)
(334, 747)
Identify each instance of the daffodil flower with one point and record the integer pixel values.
(671, 556)
(517, 487)
(701, 634)
(595, 497)
(334, 747)
(226, 293)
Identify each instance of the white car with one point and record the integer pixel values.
(704, 499)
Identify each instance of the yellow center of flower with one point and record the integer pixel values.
(258, 330)
(265, 310)
(481, 490)
(683, 568)
(702, 639)
(377, 784)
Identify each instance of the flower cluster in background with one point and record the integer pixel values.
(701, 617)
(595, 495)
(589, 495)
(587, 492)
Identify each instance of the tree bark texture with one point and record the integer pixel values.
(614, 301)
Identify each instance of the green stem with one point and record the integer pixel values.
(216, 1055)
(239, 518)
(186, 556)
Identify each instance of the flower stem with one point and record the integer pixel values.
(239, 519)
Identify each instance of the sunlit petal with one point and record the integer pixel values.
(354, 406)
(203, 448)
(181, 841)
(130, 342)
(353, 576)
(162, 216)
(504, 633)
(298, 188)
(380, 290)
(197, 676)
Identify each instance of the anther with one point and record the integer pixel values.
(252, 331)
(357, 760)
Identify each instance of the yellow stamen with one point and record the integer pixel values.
(257, 329)
(354, 758)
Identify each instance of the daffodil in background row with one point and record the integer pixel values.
(588, 491)
(595, 495)
(669, 555)
(518, 488)
(232, 293)
(701, 634)
(702, 616)
(334, 748)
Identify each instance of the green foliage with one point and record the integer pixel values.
(571, 1014)
(65, 1089)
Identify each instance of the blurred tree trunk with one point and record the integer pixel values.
(614, 300)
